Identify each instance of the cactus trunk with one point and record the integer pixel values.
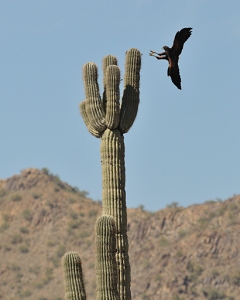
(114, 201)
(106, 267)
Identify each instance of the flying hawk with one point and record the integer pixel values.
(172, 55)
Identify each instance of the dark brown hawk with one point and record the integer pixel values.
(172, 55)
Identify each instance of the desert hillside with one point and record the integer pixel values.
(175, 253)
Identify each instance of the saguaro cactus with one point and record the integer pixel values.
(108, 118)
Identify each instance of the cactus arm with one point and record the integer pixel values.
(86, 120)
(112, 97)
(106, 267)
(73, 278)
(130, 99)
(94, 110)
(108, 60)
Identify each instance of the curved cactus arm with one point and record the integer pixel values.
(73, 278)
(112, 97)
(114, 201)
(86, 120)
(106, 267)
(130, 99)
(94, 109)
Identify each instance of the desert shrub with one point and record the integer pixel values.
(25, 293)
(16, 197)
(36, 195)
(233, 207)
(7, 248)
(190, 266)
(176, 297)
(24, 230)
(73, 215)
(84, 234)
(92, 213)
(221, 210)
(74, 224)
(214, 294)
(198, 270)
(23, 249)
(34, 269)
(174, 204)
(203, 222)
(232, 217)
(16, 239)
(182, 233)
(48, 276)
(3, 193)
(179, 253)
(55, 262)
(6, 217)
(83, 193)
(215, 273)
(14, 267)
(209, 202)
(27, 215)
(45, 171)
(236, 279)
(212, 215)
(163, 242)
(4, 227)
(51, 243)
(72, 200)
(19, 277)
(50, 203)
(60, 251)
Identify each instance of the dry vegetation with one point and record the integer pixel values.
(176, 253)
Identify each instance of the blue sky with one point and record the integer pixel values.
(184, 145)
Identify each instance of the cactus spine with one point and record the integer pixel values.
(106, 118)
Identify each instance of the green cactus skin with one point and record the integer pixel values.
(112, 96)
(108, 60)
(107, 119)
(114, 201)
(73, 278)
(130, 99)
(87, 122)
(94, 108)
(106, 267)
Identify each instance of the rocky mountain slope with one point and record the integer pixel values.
(176, 253)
